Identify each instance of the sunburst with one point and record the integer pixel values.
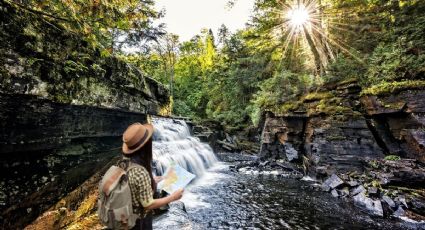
(298, 17)
(304, 23)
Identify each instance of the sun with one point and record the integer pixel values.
(298, 16)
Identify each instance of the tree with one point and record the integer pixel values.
(167, 48)
(101, 23)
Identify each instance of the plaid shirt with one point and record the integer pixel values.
(141, 191)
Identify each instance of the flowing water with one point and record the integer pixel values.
(174, 143)
(222, 199)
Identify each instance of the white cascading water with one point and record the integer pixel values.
(172, 142)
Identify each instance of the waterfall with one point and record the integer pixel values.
(172, 142)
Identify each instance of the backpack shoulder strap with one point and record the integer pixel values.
(132, 165)
(111, 179)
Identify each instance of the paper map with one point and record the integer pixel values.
(174, 178)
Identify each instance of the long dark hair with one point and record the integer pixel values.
(143, 157)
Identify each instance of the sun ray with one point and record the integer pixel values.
(306, 25)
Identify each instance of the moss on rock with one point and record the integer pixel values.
(387, 88)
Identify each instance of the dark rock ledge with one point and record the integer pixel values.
(386, 189)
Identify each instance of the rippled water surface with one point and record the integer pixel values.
(222, 199)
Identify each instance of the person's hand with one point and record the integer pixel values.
(157, 179)
(177, 194)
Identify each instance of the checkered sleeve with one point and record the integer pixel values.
(140, 184)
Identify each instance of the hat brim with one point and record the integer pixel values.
(126, 150)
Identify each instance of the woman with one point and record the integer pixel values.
(137, 149)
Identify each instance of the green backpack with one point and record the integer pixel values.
(115, 208)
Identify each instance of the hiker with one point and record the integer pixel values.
(137, 149)
(126, 191)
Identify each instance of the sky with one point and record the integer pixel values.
(186, 18)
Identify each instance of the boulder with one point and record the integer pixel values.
(418, 205)
(344, 192)
(399, 212)
(357, 190)
(175, 218)
(333, 181)
(353, 183)
(400, 200)
(291, 153)
(389, 201)
(373, 207)
(373, 191)
(334, 193)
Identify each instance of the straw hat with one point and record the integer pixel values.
(135, 137)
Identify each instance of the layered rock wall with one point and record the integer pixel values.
(31, 124)
(400, 120)
(335, 129)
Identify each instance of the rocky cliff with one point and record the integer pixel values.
(368, 143)
(338, 127)
(64, 105)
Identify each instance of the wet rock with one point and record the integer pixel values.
(353, 183)
(357, 190)
(334, 193)
(418, 206)
(227, 146)
(291, 153)
(326, 187)
(175, 218)
(262, 164)
(388, 211)
(400, 200)
(284, 224)
(323, 171)
(344, 192)
(373, 207)
(333, 181)
(286, 166)
(399, 212)
(389, 201)
(373, 191)
(344, 177)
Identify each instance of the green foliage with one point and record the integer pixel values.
(74, 67)
(343, 68)
(400, 55)
(282, 87)
(99, 22)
